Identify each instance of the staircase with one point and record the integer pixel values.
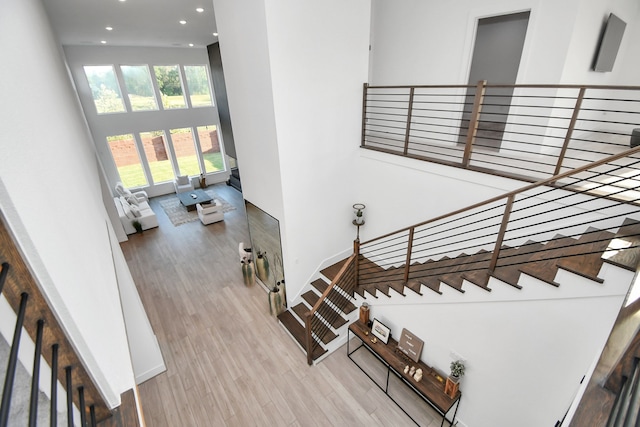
(336, 311)
(581, 255)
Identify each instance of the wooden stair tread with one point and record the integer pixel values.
(297, 331)
(334, 296)
(325, 310)
(332, 271)
(327, 334)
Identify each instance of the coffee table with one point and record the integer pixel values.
(190, 199)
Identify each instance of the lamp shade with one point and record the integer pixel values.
(358, 214)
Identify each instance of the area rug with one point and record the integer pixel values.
(179, 215)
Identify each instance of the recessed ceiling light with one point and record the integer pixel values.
(190, 44)
(108, 28)
(215, 34)
(122, 1)
(103, 41)
(199, 10)
(183, 22)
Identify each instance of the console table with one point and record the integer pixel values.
(430, 389)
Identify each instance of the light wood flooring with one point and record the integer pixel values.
(229, 363)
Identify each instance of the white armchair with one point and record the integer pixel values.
(210, 213)
(183, 184)
(135, 198)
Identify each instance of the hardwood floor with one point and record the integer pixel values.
(229, 363)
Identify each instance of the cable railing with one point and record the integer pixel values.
(528, 132)
(326, 310)
(34, 317)
(579, 212)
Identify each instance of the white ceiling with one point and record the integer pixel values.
(134, 22)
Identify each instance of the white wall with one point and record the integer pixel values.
(431, 42)
(400, 192)
(524, 359)
(245, 58)
(591, 16)
(52, 198)
(294, 75)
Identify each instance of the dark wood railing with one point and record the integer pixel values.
(528, 132)
(338, 293)
(35, 317)
(602, 195)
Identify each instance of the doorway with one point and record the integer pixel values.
(496, 59)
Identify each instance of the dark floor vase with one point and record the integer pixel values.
(248, 273)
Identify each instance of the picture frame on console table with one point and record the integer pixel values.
(380, 331)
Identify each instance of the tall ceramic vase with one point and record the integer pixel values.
(275, 302)
(262, 265)
(248, 273)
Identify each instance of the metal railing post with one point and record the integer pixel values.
(365, 88)
(569, 134)
(13, 362)
(35, 376)
(473, 123)
(407, 264)
(408, 128)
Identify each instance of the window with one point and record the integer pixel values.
(127, 160)
(155, 148)
(104, 88)
(137, 81)
(198, 85)
(210, 145)
(170, 86)
(185, 149)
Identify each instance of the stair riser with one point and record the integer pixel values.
(616, 282)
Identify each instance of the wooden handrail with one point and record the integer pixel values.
(546, 181)
(513, 86)
(308, 328)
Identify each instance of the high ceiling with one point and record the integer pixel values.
(134, 22)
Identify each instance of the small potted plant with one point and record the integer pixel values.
(457, 370)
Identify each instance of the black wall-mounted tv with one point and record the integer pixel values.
(609, 44)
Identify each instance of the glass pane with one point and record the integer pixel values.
(137, 81)
(104, 88)
(198, 84)
(185, 149)
(208, 136)
(155, 148)
(170, 85)
(127, 160)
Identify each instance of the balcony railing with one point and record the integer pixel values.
(528, 132)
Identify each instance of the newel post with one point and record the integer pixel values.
(356, 267)
(309, 339)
